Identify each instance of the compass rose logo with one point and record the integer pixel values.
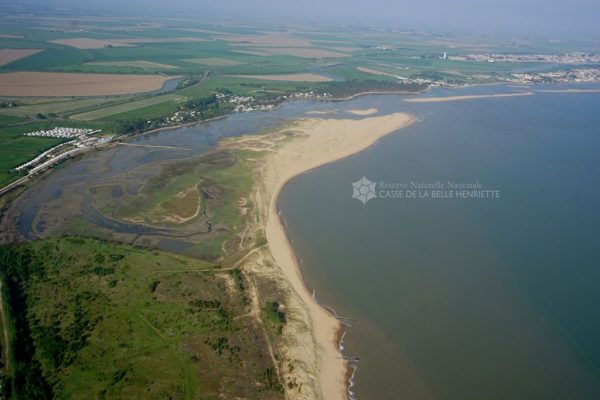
(363, 190)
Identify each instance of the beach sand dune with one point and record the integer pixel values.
(315, 142)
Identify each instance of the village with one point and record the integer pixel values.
(571, 76)
(61, 133)
(568, 58)
(83, 141)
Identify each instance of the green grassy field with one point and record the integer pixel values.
(6, 120)
(126, 107)
(29, 108)
(147, 111)
(92, 319)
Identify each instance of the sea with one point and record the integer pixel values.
(472, 271)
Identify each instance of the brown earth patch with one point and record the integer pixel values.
(267, 40)
(10, 55)
(56, 84)
(87, 43)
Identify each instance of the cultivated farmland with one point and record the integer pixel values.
(132, 64)
(305, 52)
(288, 77)
(213, 61)
(121, 108)
(10, 55)
(52, 84)
(87, 43)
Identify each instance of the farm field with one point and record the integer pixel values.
(87, 43)
(288, 77)
(214, 61)
(132, 64)
(90, 43)
(125, 107)
(10, 55)
(268, 39)
(61, 84)
(305, 52)
(373, 71)
(32, 107)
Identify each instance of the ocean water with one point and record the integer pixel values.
(457, 298)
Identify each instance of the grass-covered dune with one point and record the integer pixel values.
(91, 319)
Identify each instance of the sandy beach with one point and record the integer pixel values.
(368, 111)
(316, 142)
(468, 97)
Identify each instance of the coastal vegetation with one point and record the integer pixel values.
(102, 320)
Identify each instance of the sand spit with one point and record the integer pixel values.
(367, 111)
(569, 91)
(469, 97)
(320, 112)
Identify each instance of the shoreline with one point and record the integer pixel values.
(321, 142)
(127, 137)
(377, 92)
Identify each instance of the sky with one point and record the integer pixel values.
(547, 18)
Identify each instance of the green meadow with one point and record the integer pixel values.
(92, 319)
